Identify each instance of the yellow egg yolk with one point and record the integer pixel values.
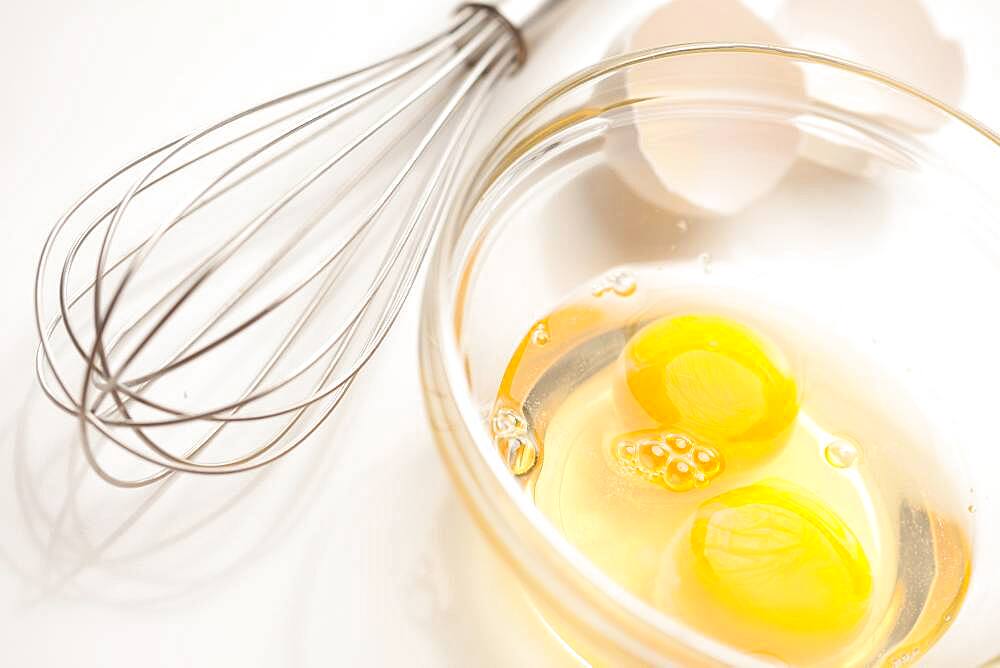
(773, 553)
(714, 381)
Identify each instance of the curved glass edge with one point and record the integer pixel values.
(569, 583)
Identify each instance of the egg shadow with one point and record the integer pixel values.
(814, 210)
(610, 225)
(822, 209)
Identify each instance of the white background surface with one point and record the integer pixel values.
(356, 551)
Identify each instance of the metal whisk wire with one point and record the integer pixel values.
(461, 65)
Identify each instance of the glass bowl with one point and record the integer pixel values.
(876, 213)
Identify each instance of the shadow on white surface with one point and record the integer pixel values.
(420, 576)
(337, 555)
(82, 539)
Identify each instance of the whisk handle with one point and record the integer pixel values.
(521, 15)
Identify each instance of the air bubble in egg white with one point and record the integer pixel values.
(507, 422)
(621, 283)
(540, 334)
(841, 453)
(706, 262)
(521, 453)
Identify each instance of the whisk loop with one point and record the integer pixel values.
(297, 230)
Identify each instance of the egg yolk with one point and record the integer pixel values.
(713, 380)
(773, 553)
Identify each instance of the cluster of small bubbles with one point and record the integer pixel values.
(906, 658)
(540, 334)
(510, 433)
(507, 421)
(670, 460)
(706, 262)
(621, 283)
(841, 453)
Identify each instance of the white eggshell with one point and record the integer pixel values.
(704, 166)
(894, 36)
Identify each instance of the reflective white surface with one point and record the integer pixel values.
(356, 550)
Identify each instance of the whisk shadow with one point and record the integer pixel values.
(142, 555)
